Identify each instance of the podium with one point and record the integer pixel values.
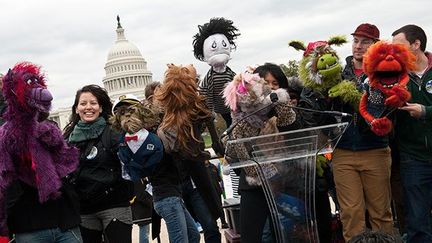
(285, 164)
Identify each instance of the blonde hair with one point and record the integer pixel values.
(183, 106)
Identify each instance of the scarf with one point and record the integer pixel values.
(84, 131)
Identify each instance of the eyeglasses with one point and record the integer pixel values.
(363, 42)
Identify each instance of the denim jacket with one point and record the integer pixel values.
(358, 135)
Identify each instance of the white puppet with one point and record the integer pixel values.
(213, 44)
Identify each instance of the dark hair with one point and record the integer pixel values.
(295, 87)
(102, 98)
(412, 33)
(150, 88)
(275, 71)
(215, 26)
(373, 237)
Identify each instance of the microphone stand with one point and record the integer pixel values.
(336, 113)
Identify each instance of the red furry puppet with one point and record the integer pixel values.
(386, 66)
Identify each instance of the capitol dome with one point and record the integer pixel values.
(125, 69)
(123, 48)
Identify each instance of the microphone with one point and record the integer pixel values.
(273, 98)
(335, 113)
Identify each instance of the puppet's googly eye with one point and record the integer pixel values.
(214, 45)
(396, 52)
(224, 44)
(382, 52)
(29, 81)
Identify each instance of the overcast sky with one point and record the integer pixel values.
(71, 39)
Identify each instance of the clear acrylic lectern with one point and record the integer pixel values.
(285, 164)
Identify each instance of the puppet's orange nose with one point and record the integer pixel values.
(389, 58)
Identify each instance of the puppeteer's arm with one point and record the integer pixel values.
(239, 151)
(216, 144)
(49, 134)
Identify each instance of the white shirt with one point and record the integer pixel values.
(134, 145)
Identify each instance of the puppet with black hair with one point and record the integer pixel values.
(213, 44)
(32, 148)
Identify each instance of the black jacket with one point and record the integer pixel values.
(166, 179)
(98, 180)
(27, 214)
(198, 171)
(317, 101)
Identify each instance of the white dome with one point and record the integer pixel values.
(123, 48)
(125, 69)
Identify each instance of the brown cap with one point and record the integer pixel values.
(367, 30)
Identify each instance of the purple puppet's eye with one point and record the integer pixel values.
(224, 44)
(29, 81)
(214, 45)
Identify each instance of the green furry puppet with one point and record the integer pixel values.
(320, 70)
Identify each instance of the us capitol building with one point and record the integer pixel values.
(126, 73)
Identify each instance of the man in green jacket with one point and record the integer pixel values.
(413, 131)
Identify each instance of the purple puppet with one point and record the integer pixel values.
(32, 149)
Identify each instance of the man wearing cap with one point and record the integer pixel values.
(364, 36)
(361, 162)
(413, 131)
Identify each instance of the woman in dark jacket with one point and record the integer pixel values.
(104, 195)
(180, 132)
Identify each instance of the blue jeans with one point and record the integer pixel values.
(200, 209)
(416, 179)
(180, 224)
(54, 235)
(143, 233)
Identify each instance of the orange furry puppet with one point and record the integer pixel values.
(387, 67)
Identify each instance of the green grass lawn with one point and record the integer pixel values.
(207, 140)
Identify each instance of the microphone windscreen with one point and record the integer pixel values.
(273, 97)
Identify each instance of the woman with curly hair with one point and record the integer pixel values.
(180, 131)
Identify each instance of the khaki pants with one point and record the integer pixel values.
(362, 181)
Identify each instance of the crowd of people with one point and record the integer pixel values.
(137, 161)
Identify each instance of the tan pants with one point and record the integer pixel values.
(362, 181)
